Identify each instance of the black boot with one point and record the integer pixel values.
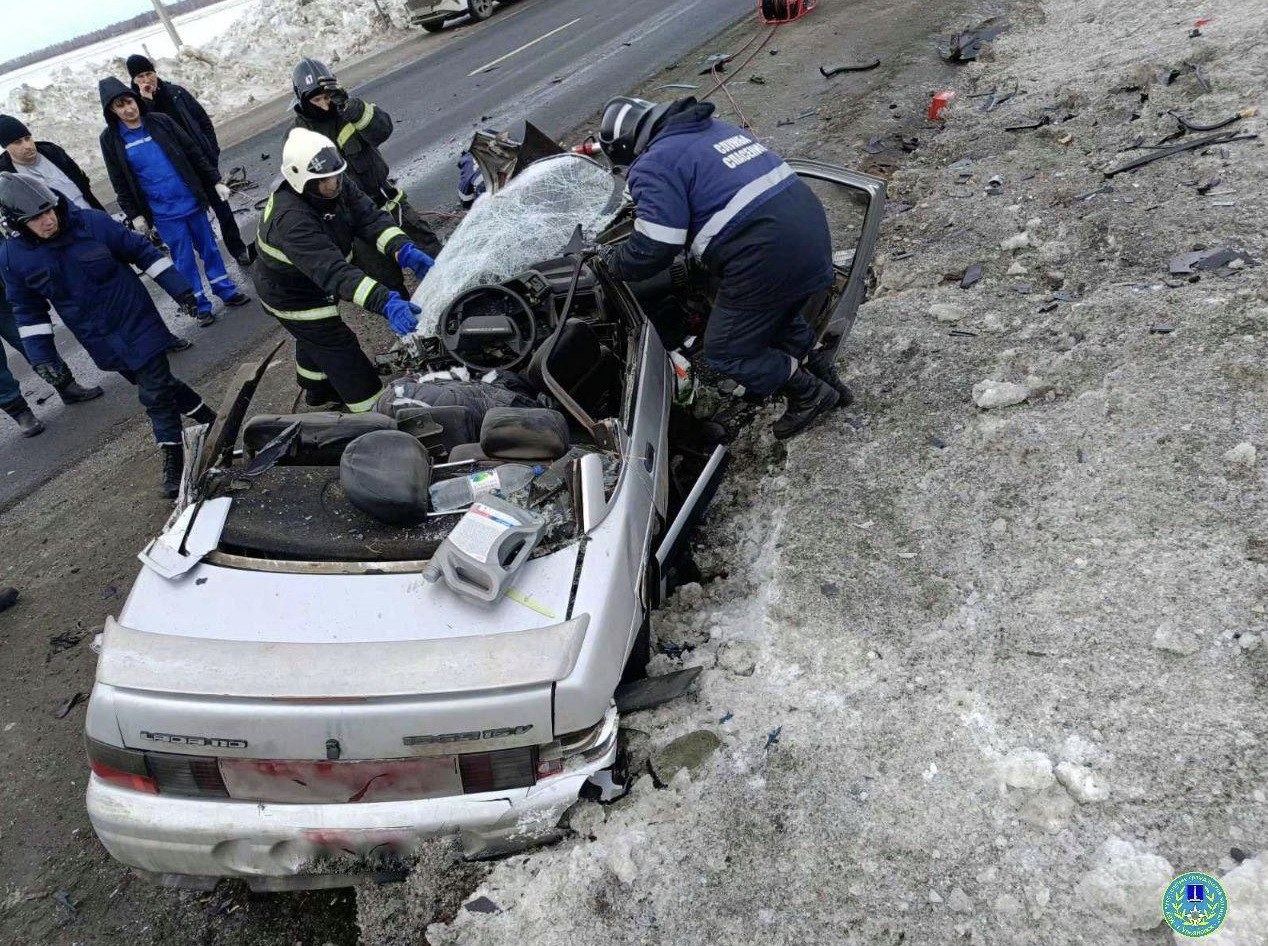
(173, 467)
(204, 415)
(20, 411)
(75, 393)
(808, 397)
(819, 363)
(319, 399)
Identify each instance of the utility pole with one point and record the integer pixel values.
(167, 23)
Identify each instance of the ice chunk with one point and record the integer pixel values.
(1082, 783)
(1125, 887)
(988, 394)
(529, 220)
(1025, 768)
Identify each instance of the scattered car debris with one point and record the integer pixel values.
(830, 589)
(1065, 139)
(1200, 261)
(1189, 125)
(480, 905)
(772, 737)
(937, 443)
(966, 45)
(756, 79)
(69, 704)
(994, 185)
(717, 61)
(1048, 306)
(654, 691)
(792, 121)
(939, 105)
(1103, 189)
(678, 85)
(1161, 328)
(972, 276)
(831, 71)
(64, 899)
(1030, 123)
(905, 143)
(1224, 137)
(1206, 185)
(64, 641)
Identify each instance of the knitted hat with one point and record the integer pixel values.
(138, 64)
(11, 130)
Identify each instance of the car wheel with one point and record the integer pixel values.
(479, 9)
(636, 665)
(435, 26)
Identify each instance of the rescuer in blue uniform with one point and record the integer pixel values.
(706, 187)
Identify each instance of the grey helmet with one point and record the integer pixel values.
(626, 128)
(23, 198)
(311, 76)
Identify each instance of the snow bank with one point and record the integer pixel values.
(247, 65)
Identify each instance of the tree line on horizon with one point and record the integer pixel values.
(148, 18)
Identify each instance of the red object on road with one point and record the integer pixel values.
(1203, 22)
(775, 12)
(938, 106)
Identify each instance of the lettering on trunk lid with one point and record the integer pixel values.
(213, 742)
(471, 736)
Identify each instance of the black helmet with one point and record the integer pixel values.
(626, 128)
(311, 76)
(23, 198)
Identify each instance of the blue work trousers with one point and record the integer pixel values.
(187, 236)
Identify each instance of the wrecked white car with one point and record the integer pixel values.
(284, 697)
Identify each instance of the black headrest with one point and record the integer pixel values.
(521, 433)
(323, 435)
(386, 474)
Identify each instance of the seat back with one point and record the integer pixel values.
(323, 435)
(585, 371)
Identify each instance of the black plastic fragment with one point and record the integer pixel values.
(831, 71)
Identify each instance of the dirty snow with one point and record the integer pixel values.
(933, 726)
(246, 66)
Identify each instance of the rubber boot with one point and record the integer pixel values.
(204, 415)
(819, 363)
(21, 413)
(808, 398)
(75, 393)
(173, 466)
(319, 399)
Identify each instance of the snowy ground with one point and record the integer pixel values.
(975, 674)
(249, 64)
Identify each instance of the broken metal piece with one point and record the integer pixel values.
(972, 276)
(1207, 260)
(1223, 137)
(69, 704)
(654, 691)
(966, 45)
(1161, 328)
(837, 70)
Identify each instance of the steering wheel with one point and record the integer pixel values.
(489, 327)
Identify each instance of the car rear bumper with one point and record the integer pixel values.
(191, 842)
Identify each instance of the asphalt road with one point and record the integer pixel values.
(554, 62)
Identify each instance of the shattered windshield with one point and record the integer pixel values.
(530, 220)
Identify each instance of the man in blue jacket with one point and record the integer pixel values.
(180, 105)
(706, 187)
(78, 261)
(162, 177)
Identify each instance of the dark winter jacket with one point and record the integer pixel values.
(357, 130)
(199, 175)
(304, 266)
(178, 103)
(64, 163)
(84, 272)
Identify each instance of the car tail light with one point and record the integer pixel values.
(495, 771)
(190, 775)
(123, 767)
(553, 757)
(156, 773)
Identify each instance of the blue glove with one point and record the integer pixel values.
(411, 256)
(401, 314)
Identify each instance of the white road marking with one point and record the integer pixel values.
(516, 52)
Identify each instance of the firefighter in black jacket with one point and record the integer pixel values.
(306, 235)
(358, 128)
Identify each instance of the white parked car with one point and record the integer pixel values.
(282, 690)
(432, 15)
